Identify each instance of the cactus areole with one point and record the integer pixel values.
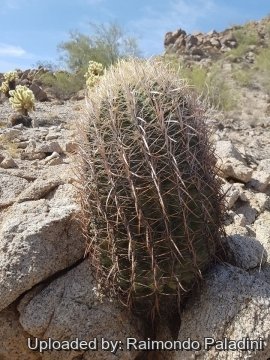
(151, 202)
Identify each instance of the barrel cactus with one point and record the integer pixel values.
(22, 99)
(151, 200)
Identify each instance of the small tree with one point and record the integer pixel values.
(105, 46)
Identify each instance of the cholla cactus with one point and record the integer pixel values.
(22, 99)
(11, 76)
(4, 88)
(95, 70)
(9, 83)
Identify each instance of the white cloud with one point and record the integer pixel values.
(11, 50)
(155, 23)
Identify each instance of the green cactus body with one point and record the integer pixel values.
(151, 199)
(22, 99)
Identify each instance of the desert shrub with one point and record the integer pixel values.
(262, 69)
(243, 77)
(64, 84)
(219, 91)
(207, 81)
(245, 36)
(262, 62)
(105, 45)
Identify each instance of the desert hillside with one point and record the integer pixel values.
(47, 288)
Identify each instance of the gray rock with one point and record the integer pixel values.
(228, 38)
(54, 155)
(258, 201)
(236, 228)
(260, 180)
(264, 165)
(225, 149)
(32, 155)
(262, 229)
(22, 145)
(191, 41)
(246, 252)
(55, 161)
(31, 152)
(2, 156)
(231, 162)
(37, 239)
(10, 134)
(216, 43)
(71, 306)
(71, 147)
(52, 136)
(170, 37)
(232, 304)
(235, 169)
(39, 189)
(19, 119)
(233, 192)
(8, 163)
(249, 212)
(50, 147)
(10, 188)
(39, 93)
(13, 339)
(19, 127)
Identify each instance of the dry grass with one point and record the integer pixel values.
(10, 147)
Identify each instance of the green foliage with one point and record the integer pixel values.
(196, 76)
(105, 46)
(151, 200)
(95, 70)
(243, 77)
(245, 36)
(62, 83)
(207, 81)
(262, 62)
(22, 99)
(262, 69)
(218, 91)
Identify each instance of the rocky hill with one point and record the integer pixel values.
(47, 288)
(213, 45)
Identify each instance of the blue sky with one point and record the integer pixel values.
(30, 30)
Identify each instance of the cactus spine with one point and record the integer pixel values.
(151, 200)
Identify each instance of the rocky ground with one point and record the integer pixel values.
(46, 285)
